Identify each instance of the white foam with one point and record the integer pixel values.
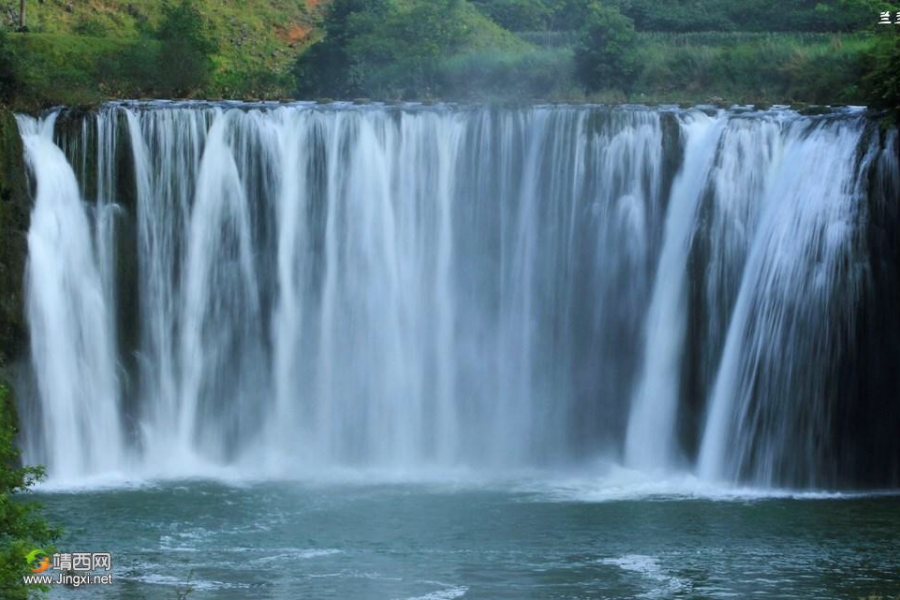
(193, 584)
(648, 567)
(296, 554)
(93, 483)
(448, 593)
(602, 481)
(614, 483)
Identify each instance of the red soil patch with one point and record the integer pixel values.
(294, 33)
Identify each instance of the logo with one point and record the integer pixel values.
(74, 569)
(38, 560)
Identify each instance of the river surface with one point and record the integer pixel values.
(570, 539)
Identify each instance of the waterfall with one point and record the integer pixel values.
(287, 288)
(805, 274)
(650, 441)
(71, 343)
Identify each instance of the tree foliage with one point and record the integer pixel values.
(692, 15)
(9, 78)
(605, 57)
(21, 527)
(172, 61)
(327, 68)
(185, 54)
(882, 78)
(390, 48)
(751, 15)
(184, 62)
(519, 15)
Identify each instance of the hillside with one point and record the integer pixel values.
(86, 51)
(72, 39)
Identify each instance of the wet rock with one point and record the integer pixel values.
(15, 208)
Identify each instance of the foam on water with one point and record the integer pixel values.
(649, 569)
(449, 592)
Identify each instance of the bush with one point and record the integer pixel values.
(753, 15)
(605, 57)
(9, 78)
(518, 15)
(327, 68)
(394, 48)
(184, 63)
(747, 68)
(490, 75)
(174, 61)
(21, 528)
(881, 81)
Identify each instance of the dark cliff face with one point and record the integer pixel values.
(14, 216)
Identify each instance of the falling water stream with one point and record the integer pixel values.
(284, 288)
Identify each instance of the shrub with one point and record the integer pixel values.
(21, 528)
(327, 67)
(518, 15)
(9, 78)
(882, 79)
(606, 56)
(183, 64)
(491, 75)
(394, 48)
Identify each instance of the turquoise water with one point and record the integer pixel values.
(491, 541)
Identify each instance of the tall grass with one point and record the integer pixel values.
(752, 67)
(535, 74)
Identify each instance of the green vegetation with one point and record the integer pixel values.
(397, 48)
(61, 68)
(754, 51)
(86, 51)
(21, 527)
(761, 68)
(682, 16)
(173, 61)
(606, 54)
(753, 15)
(9, 83)
(882, 79)
(574, 50)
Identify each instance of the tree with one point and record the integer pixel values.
(881, 81)
(22, 530)
(605, 57)
(399, 53)
(571, 15)
(518, 15)
(325, 69)
(383, 47)
(184, 63)
(9, 78)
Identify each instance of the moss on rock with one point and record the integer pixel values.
(14, 218)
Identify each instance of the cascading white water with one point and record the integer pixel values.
(650, 439)
(410, 287)
(806, 272)
(75, 363)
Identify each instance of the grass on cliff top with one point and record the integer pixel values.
(73, 42)
(68, 55)
(748, 68)
(62, 68)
